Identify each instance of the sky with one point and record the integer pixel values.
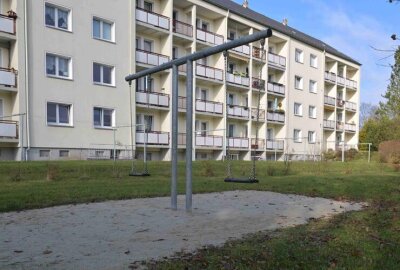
(352, 27)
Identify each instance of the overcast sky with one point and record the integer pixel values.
(351, 26)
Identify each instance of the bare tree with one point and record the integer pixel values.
(367, 111)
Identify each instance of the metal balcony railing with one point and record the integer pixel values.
(7, 24)
(276, 117)
(259, 54)
(329, 124)
(275, 144)
(257, 83)
(351, 106)
(209, 37)
(238, 111)
(276, 88)
(153, 137)
(8, 77)
(329, 100)
(341, 80)
(238, 142)
(261, 115)
(351, 84)
(330, 77)
(277, 60)
(150, 58)
(209, 106)
(182, 28)
(350, 127)
(152, 18)
(244, 49)
(209, 72)
(152, 98)
(237, 79)
(8, 129)
(258, 144)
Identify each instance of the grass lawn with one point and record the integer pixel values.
(369, 239)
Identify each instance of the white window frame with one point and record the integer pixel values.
(101, 126)
(298, 82)
(312, 113)
(112, 84)
(42, 151)
(313, 89)
(57, 58)
(102, 21)
(62, 155)
(298, 138)
(313, 58)
(57, 123)
(142, 117)
(312, 137)
(298, 106)
(58, 7)
(299, 56)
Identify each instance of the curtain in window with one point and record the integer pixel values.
(97, 116)
(63, 67)
(63, 114)
(106, 31)
(62, 19)
(51, 64)
(96, 73)
(96, 28)
(51, 113)
(107, 71)
(50, 15)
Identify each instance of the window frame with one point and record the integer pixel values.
(301, 82)
(314, 137)
(299, 56)
(57, 123)
(299, 139)
(314, 115)
(313, 56)
(102, 21)
(102, 126)
(57, 67)
(101, 83)
(300, 106)
(62, 8)
(316, 86)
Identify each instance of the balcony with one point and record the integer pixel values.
(238, 79)
(330, 101)
(277, 61)
(209, 37)
(329, 124)
(276, 117)
(8, 78)
(237, 142)
(150, 58)
(351, 106)
(207, 106)
(258, 144)
(350, 127)
(276, 88)
(7, 27)
(182, 103)
(351, 84)
(261, 114)
(152, 18)
(209, 141)
(339, 102)
(209, 72)
(259, 54)
(339, 125)
(153, 137)
(244, 49)
(277, 145)
(341, 80)
(152, 99)
(258, 84)
(238, 111)
(330, 77)
(8, 130)
(182, 28)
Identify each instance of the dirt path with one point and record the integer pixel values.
(111, 235)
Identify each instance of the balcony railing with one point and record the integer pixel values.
(350, 127)
(329, 100)
(339, 102)
(330, 76)
(150, 58)
(276, 88)
(8, 129)
(351, 106)
(153, 137)
(209, 37)
(209, 72)
(329, 124)
(244, 49)
(237, 142)
(261, 114)
(257, 144)
(182, 103)
(275, 144)
(152, 98)
(258, 84)
(237, 79)
(351, 84)
(259, 54)
(277, 60)
(8, 77)
(209, 106)
(7, 24)
(238, 111)
(182, 28)
(152, 18)
(341, 80)
(276, 117)
(339, 125)
(209, 141)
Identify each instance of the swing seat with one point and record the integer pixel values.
(240, 180)
(139, 174)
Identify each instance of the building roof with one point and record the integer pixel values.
(277, 26)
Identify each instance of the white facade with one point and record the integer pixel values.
(68, 98)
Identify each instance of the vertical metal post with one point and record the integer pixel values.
(131, 127)
(146, 137)
(21, 130)
(189, 133)
(369, 153)
(114, 144)
(343, 145)
(174, 139)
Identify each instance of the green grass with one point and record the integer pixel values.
(369, 239)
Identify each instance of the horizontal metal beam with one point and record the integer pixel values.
(202, 54)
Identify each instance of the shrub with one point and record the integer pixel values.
(208, 170)
(389, 152)
(329, 155)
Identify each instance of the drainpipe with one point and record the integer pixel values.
(27, 115)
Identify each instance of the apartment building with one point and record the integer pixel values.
(63, 93)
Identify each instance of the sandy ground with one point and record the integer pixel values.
(111, 235)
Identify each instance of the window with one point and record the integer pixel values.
(57, 17)
(231, 130)
(231, 68)
(142, 121)
(299, 56)
(1, 109)
(44, 153)
(174, 53)
(63, 153)
(231, 99)
(312, 112)
(103, 118)
(103, 30)
(311, 137)
(59, 114)
(142, 87)
(298, 82)
(313, 61)
(298, 109)
(232, 35)
(103, 74)
(313, 86)
(297, 135)
(270, 134)
(58, 66)
(148, 6)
